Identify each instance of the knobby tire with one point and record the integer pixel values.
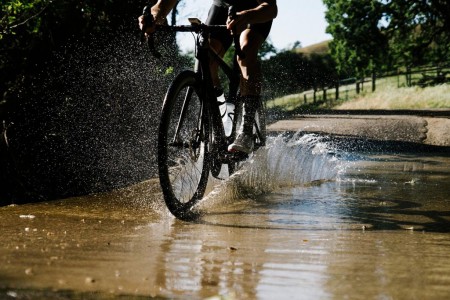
(183, 146)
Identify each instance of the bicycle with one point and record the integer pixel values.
(191, 139)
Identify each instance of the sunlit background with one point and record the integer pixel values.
(300, 20)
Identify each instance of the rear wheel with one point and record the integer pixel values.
(183, 141)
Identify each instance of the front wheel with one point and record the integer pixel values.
(183, 141)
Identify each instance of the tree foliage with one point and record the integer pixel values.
(419, 31)
(16, 13)
(370, 35)
(290, 72)
(358, 44)
(79, 95)
(30, 30)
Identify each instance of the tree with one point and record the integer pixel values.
(16, 14)
(75, 84)
(419, 31)
(358, 45)
(373, 34)
(31, 30)
(267, 49)
(290, 72)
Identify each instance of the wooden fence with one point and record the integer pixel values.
(351, 87)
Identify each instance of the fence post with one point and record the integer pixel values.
(374, 79)
(408, 76)
(304, 98)
(314, 98)
(337, 90)
(357, 87)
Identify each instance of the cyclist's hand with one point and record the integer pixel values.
(237, 23)
(148, 25)
(144, 26)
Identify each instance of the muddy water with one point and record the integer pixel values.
(301, 220)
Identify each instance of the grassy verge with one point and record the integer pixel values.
(387, 96)
(437, 97)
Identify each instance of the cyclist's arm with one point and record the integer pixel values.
(267, 10)
(159, 11)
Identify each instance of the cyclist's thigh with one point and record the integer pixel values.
(251, 41)
(254, 36)
(262, 28)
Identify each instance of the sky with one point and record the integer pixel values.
(297, 20)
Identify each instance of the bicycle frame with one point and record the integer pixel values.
(204, 55)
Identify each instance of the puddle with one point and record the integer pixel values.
(300, 218)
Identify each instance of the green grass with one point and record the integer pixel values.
(437, 97)
(286, 103)
(387, 96)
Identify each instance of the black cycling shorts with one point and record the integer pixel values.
(218, 16)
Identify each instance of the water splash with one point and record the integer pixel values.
(88, 120)
(285, 162)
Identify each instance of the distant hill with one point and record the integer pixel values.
(319, 48)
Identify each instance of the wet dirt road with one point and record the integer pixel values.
(302, 220)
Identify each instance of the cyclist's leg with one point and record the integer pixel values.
(251, 39)
(250, 87)
(219, 48)
(251, 77)
(219, 41)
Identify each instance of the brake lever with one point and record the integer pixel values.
(237, 45)
(148, 21)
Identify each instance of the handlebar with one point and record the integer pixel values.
(197, 28)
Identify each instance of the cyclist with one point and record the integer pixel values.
(252, 24)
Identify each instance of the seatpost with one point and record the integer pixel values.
(237, 45)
